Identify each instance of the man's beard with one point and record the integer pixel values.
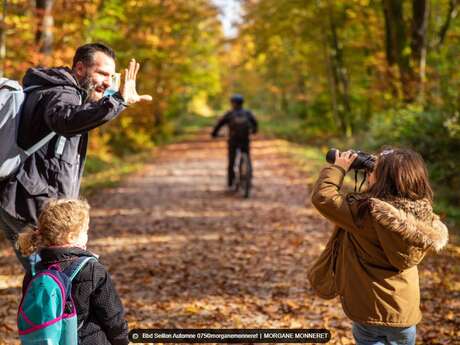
(87, 84)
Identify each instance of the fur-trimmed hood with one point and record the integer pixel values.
(414, 220)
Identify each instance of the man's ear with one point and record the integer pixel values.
(79, 69)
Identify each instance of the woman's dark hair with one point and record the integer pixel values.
(399, 173)
(86, 52)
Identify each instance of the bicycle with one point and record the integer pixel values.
(243, 173)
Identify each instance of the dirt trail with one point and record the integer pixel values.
(184, 254)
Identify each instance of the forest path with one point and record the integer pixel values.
(185, 254)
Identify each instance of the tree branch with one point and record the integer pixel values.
(451, 14)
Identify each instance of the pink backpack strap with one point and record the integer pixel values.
(55, 266)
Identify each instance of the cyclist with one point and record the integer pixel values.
(241, 123)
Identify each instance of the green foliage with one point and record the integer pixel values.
(433, 134)
(427, 132)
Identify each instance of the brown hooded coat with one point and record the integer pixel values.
(373, 266)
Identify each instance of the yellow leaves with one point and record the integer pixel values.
(407, 51)
(199, 105)
(362, 2)
(275, 44)
(167, 28)
(126, 122)
(261, 58)
(192, 309)
(350, 13)
(387, 96)
(250, 46)
(249, 65)
(152, 40)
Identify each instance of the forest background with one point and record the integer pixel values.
(321, 73)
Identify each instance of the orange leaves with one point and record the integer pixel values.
(184, 254)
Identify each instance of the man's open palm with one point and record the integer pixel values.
(128, 89)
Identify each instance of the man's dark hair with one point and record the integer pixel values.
(86, 52)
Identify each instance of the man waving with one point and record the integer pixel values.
(69, 102)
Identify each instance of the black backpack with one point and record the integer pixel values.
(240, 124)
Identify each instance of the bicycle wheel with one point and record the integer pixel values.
(237, 170)
(245, 175)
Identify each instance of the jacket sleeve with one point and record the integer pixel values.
(328, 200)
(108, 308)
(222, 122)
(254, 124)
(65, 115)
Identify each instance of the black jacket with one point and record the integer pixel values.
(241, 123)
(98, 306)
(55, 106)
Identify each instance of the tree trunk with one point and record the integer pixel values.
(331, 83)
(284, 102)
(396, 45)
(340, 75)
(395, 33)
(420, 10)
(44, 33)
(331, 78)
(389, 49)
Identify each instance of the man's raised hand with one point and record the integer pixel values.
(128, 89)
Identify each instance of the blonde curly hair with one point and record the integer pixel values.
(60, 222)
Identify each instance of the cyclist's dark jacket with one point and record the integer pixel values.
(241, 124)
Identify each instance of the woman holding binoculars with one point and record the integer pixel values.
(381, 235)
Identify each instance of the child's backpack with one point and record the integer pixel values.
(240, 125)
(11, 154)
(47, 313)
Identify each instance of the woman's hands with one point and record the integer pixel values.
(128, 90)
(345, 159)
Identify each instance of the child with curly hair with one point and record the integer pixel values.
(60, 239)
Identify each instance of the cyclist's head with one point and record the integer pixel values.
(237, 100)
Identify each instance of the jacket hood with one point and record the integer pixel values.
(52, 254)
(59, 76)
(413, 220)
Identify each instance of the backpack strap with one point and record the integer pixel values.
(30, 88)
(76, 266)
(40, 144)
